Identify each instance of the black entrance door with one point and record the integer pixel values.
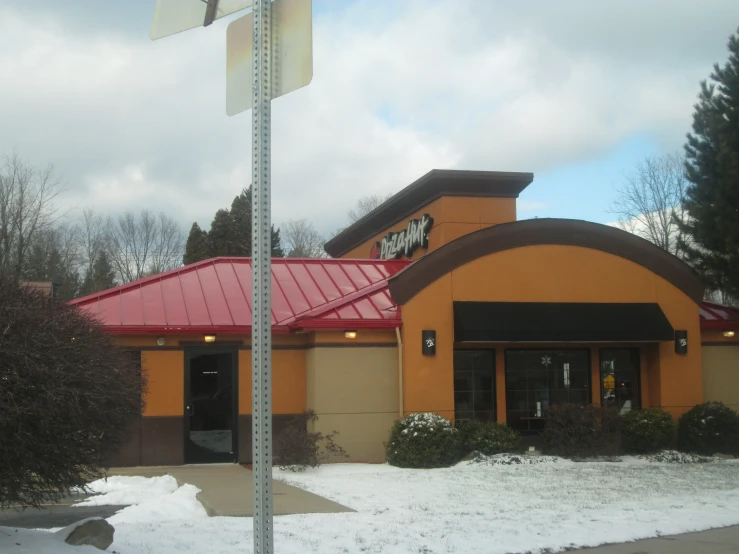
(210, 406)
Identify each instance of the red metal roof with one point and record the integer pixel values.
(716, 316)
(215, 296)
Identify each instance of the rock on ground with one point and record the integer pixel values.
(94, 532)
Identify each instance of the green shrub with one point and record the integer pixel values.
(423, 441)
(487, 438)
(646, 431)
(300, 448)
(576, 430)
(709, 428)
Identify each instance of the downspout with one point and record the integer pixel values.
(400, 372)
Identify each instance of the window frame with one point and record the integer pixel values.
(493, 389)
(587, 372)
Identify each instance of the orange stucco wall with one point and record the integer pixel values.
(165, 371)
(454, 216)
(288, 381)
(548, 273)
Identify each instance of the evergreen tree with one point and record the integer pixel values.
(219, 236)
(100, 276)
(712, 168)
(196, 248)
(277, 251)
(241, 224)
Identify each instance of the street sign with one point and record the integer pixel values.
(273, 46)
(609, 382)
(175, 16)
(292, 47)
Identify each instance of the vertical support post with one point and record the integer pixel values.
(261, 280)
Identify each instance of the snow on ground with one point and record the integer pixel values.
(470, 508)
(473, 507)
(124, 491)
(27, 541)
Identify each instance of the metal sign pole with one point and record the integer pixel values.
(261, 280)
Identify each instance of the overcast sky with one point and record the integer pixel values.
(576, 92)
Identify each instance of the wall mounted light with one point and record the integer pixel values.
(681, 342)
(428, 342)
(350, 334)
(728, 334)
(161, 341)
(209, 338)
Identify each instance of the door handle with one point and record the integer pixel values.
(190, 410)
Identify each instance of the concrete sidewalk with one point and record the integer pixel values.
(227, 490)
(724, 540)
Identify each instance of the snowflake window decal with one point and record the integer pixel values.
(546, 361)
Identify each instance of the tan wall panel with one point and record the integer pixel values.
(166, 375)
(352, 380)
(721, 374)
(361, 435)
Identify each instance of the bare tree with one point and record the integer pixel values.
(26, 209)
(302, 240)
(93, 236)
(649, 203)
(143, 245)
(365, 205)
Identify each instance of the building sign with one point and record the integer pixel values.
(609, 382)
(405, 242)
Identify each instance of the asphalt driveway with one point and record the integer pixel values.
(50, 516)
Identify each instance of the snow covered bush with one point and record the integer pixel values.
(577, 430)
(709, 428)
(300, 448)
(423, 441)
(487, 438)
(645, 431)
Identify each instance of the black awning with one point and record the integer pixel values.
(560, 322)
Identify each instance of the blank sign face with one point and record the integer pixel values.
(175, 16)
(292, 51)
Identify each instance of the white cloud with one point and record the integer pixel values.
(398, 89)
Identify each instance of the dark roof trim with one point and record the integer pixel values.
(435, 184)
(570, 232)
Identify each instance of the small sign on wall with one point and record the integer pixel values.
(681, 342)
(428, 346)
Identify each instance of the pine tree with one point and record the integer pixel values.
(241, 224)
(712, 167)
(196, 248)
(100, 276)
(219, 236)
(277, 251)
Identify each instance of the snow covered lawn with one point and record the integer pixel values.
(468, 508)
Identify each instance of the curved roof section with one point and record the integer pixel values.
(435, 184)
(215, 296)
(571, 232)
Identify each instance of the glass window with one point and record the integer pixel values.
(537, 379)
(619, 379)
(474, 385)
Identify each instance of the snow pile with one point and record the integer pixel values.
(508, 459)
(180, 505)
(126, 491)
(31, 541)
(675, 457)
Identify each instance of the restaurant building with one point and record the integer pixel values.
(437, 301)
